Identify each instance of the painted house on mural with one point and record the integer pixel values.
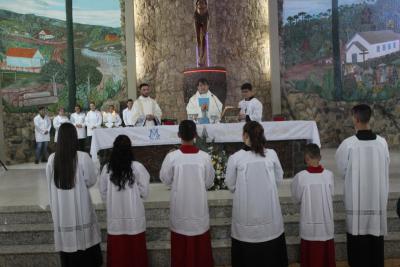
(24, 58)
(45, 35)
(370, 45)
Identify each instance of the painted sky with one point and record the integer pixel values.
(293, 7)
(103, 12)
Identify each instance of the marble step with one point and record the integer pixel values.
(33, 234)
(154, 210)
(44, 256)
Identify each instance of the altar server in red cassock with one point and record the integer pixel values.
(189, 173)
(313, 189)
(363, 160)
(124, 183)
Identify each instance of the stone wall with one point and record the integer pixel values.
(166, 45)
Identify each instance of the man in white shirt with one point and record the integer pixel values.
(42, 135)
(58, 120)
(204, 106)
(111, 118)
(250, 107)
(363, 160)
(78, 120)
(146, 111)
(93, 120)
(127, 114)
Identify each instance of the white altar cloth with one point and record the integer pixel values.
(103, 138)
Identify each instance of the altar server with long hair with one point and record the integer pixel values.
(313, 189)
(189, 173)
(124, 183)
(70, 174)
(252, 175)
(363, 160)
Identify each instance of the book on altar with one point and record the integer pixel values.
(204, 101)
(230, 114)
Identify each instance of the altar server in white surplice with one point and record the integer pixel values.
(252, 175)
(78, 120)
(146, 111)
(363, 160)
(111, 118)
(204, 105)
(127, 114)
(93, 119)
(251, 108)
(42, 124)
(189, 173)
(58, 120)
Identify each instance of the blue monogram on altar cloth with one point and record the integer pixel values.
(154, 134)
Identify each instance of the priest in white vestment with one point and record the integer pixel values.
(146, 111)
(204, 106)
(251, 108)
(111, 118)
(363, 160)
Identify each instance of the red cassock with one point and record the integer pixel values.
(317, 253)
(127, 250)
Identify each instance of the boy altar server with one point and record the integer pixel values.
(78, 120)
(363, 161)
(251, 108)
(189, 173)
(313, 189)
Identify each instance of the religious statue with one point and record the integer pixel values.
(201, 18)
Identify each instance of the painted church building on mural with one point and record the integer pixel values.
(24, 57)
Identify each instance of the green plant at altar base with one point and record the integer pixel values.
(219, 159)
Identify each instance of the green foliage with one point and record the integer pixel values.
(88, 74)
(53, 69)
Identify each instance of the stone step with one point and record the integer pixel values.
(33, 234)
(154, 210)
(159, 252)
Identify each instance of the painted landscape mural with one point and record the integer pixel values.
(33, 53)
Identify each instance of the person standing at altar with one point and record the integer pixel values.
(93, 121)
(58, 120)
(146, 111)
(42, 125)
(251, 108)
(70, 173)
(252, 175)
(204, 106)
(111, 118)
(189, 173)
(78, 120)
(363, 160)
(122, 181)
(127, 114)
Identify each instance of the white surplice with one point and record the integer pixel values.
(125, 209)
(314, 192)
(364, 164)
(93, 120)
(214, 107)
(189, 176)
(127, 116)
(57, 121)
(79, 119)
(145, 106)
(111, 119)
(253, 180)
(74, 217)
(42, 125)
(252, 108)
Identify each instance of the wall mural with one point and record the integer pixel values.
(33, 53)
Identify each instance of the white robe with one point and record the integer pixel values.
(125, 209)
(57, 121)
(365, 168)
(145, 106)
(79, 118)
(127, 116)
(189, 176)
(253, 180)
(111, 120)
(253, 108)
(42, 125)
(214, 107)
(93, 120)
(74, 217)
(314, 192)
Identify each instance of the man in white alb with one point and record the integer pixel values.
(42, 135)
(93, 120)
(146, 111)
(127, 114)
(204, 105)
(250, 107)
(78, 120)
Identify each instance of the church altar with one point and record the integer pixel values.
(151, 144)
